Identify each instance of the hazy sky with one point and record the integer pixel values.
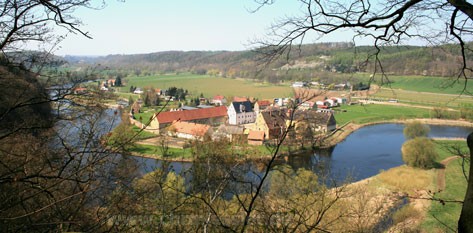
(145, 26)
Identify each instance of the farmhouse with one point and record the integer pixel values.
(241, 113)
(272, 123)
(209, 116)
(261, 105)
(256, 138)
(318, 122)
(188, 130)
(230, 132)
(219, 100)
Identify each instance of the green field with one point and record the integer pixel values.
(444, 218)
(210, 86)
(425, 98)
(441, 85)
(361, 114)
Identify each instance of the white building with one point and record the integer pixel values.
(240, 113)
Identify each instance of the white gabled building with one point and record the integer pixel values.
(241, 113)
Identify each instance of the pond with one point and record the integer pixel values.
(361, 155)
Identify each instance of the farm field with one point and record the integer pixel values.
(431, 84)
(210, 86)
(425, 98)
(361, 114)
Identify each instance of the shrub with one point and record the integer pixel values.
(419, 152)
(405, 213)
(415, 129)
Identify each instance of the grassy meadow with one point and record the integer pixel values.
(441, 85)
(210, 86)
(444, 217)
(361, 114)
(425, 98)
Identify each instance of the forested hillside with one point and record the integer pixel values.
(304, 62)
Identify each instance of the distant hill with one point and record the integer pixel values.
(303, 63)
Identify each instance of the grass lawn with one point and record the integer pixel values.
(440, 215)
(376, 112)
(174, 153)
(143, 134)
(211, 86)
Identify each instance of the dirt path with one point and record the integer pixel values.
(441, 184)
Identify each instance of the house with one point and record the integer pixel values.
(272, 123)
(261, 105)
(80, 90)
(239, 99)
(188, 130)
(281, 101)
(307, 105)
(299, 84)
(111, 82)
(240, 113)
(219, 100)
(230, 132)
(256, 138)
(319, 122)
(209, 116)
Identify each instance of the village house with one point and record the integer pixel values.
(239, 99)
(219, 100)
(256, 138)
(138, 91)
(188, 130)
(230, 132)
(241, 113)
(261, 105)
(318, 122)
(209, 116)
(271, 122)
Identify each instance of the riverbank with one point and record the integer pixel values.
(343, 132)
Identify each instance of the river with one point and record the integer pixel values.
(362, 154)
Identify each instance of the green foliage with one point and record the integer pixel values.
(419, 152)
(415, 129)
(118, 81)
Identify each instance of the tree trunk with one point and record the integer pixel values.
(465, 224)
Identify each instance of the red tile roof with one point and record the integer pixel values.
(190, 128)
(219, 97)
(239, 99)
(189, 115)
(264, 102)
(256, 135)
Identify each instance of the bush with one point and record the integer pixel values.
(415, 129)
(405, 213)
(419, 152)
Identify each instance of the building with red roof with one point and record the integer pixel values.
(189, 130)
(208, 116)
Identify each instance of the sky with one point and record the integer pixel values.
(146, 26)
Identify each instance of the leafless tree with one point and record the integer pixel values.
(392, 22)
